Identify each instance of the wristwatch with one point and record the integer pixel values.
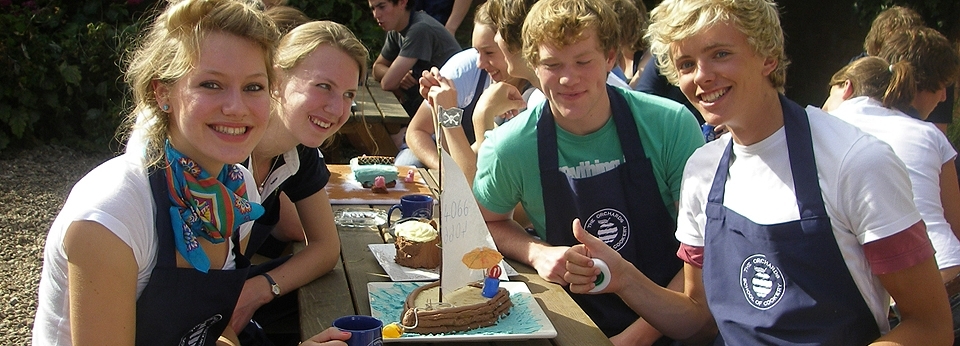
(274, 288)
(451, 117)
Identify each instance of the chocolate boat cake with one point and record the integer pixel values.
(464, 309)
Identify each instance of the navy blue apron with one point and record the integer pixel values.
(782, 284)
(183, 306)
(622, 207)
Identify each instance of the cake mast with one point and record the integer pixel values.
(468, 250)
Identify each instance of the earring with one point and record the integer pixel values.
(166, 108)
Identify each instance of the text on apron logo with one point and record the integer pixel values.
(611, 226)
(761, 281)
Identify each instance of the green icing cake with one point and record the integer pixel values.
(365, 174)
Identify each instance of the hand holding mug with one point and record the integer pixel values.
(364, 330)
(329, 337)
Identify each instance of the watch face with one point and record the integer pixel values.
(451, 117)
(276, 290)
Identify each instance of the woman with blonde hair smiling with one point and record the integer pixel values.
(147, 248)
(319, 65)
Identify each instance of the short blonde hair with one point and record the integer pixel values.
(171, 48)
(562, 22)
(676, 20)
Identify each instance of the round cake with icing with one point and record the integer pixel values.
(417, 243)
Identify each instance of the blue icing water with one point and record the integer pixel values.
(387, 305)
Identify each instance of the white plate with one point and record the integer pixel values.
(360, 217)
(385, 253)
(525, 321)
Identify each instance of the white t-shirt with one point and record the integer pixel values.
(860, 182)
(117, 195)
(462, 69)
(924, 150)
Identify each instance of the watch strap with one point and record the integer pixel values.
(274, 288)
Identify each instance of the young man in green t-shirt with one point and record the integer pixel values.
(609, 156)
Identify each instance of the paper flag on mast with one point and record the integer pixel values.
(461, 227)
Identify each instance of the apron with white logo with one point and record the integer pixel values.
(622, 207)
(782, 284)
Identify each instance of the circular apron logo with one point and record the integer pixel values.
(761, 281)
(611, 226)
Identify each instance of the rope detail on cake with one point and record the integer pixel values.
(416, 320)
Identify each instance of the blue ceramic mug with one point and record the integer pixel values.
(416, 206)
(364, 330)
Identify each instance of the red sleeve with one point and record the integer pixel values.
(691, 254)
(899, 251)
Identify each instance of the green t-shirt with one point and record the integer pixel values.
(508, 170)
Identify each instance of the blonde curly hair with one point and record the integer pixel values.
(562, 22)
(676, 20)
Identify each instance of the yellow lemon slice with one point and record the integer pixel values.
(392, 331)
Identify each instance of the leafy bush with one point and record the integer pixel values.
(354, 14)
(60, 62)
(60, 67)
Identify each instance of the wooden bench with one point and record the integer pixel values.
(378, 113)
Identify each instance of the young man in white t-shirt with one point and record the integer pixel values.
(795, 225)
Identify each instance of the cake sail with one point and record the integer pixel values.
(462, 228)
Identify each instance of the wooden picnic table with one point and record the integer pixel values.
(343, 291)
(379, 113)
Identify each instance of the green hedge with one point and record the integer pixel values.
(60, 70)
(61, 62)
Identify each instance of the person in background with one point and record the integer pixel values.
(653, 82)
(605, 154)
(319, 67)
(934, 58)
(869, 94)
(887, 22)
(890, 22)
(286, 17)
(633, 54)
(136, 256)
(268, 4)
(415, 42)
(450, 13)
(470, 73)
(795, 226)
